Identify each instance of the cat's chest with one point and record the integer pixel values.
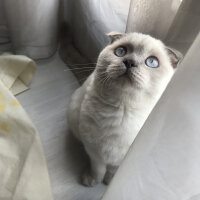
(122, 118)
(114, 119)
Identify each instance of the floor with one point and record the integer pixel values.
(46, 104)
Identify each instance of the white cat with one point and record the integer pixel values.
(108, 110)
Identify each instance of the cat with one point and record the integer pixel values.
(108, 110)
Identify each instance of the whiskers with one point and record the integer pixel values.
(81, 67)
(103, 78)
(138, 79)
(82, 64)
(81, 72)
(138, 76)
(104, 81)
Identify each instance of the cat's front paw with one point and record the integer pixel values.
(88, 180)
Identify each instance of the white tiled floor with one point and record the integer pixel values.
(46, 104)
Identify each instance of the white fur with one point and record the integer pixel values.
(107, 119)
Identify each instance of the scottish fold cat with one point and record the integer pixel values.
(108, 110)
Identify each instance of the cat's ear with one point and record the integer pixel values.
(114, 35)
(175, 56)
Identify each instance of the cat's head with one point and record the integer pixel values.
(137, 60)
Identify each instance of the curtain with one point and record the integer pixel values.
(31, 26)
(163, 162)
(90, 21)
(176, 22)
(185, 26)
(4, 36)
(152, 17)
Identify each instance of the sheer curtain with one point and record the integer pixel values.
(29, 26)
(176, 22)
(163, 162)
(90, 20)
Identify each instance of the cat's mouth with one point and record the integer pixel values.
(127, 74)
(132, 76)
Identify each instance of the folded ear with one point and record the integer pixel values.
(114, 35)
(175, 56)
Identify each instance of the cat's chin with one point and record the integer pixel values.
(125, 78)
(129, 80)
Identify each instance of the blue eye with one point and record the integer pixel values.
(152, 62)
(120, 51)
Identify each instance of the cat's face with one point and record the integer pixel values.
(136, 59)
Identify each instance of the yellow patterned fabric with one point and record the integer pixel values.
(16, 72)
(23, 171)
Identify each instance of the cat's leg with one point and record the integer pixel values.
(110, 172)
(96, 172)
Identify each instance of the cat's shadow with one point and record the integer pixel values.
(78, 158)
